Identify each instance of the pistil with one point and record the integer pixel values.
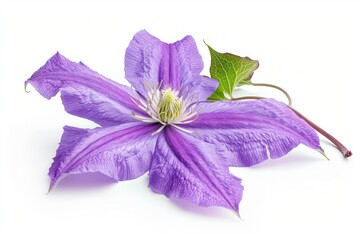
(166, 107)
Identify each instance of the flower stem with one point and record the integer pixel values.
(337, 143)
(346, 153)
(273, 86)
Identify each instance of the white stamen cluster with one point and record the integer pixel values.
(166, 107)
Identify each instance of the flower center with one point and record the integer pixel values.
(165, 106)
(170, 105)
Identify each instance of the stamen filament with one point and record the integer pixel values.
(186, 121)
(155, 118)
(165, 106)
(188, 116)
(139, 99)
(139, 105)
(159, 130)
(183, 129)
(143, 119)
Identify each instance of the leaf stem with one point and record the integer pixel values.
(273, 86)
(346, 153)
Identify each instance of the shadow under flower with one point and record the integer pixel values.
(207, 212)
(295, 159)
(84, 181)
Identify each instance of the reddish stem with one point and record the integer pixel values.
(337, 143)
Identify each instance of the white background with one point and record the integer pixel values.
(310, 48)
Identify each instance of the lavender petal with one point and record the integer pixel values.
(184, 167)
(121, 152)
(178, 65)
(247, 133)
(84, 92)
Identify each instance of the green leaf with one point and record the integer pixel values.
(231, 71)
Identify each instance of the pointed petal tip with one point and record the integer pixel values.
(57, 55)
(52, 186)
(237, 214)
(25, 86)
(59, 58)
(143, 31)
(322, 152)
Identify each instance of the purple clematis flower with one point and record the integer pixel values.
(165, 126)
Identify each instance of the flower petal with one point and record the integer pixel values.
(84, 92)
(121, 152)
(248, 132)
(177, 65)
(185, 168)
